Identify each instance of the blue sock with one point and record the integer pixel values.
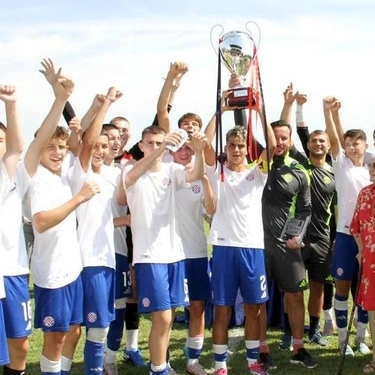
(51, 373)
(252, 350)
(64, 372)
(362, 315)
(341, 311)
(116, 329)
(94, 358)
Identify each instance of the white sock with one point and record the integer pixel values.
(66, 363)
(132, 339)
(110, 356)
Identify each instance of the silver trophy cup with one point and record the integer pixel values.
(237, 51)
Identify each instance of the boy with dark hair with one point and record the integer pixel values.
(150, 187)
(16, 306)
(56, 260)
(351, 172)
(237, 238)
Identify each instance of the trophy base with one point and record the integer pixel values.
(240, 97)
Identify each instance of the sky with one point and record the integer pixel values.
(324, 47)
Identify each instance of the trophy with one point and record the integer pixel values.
(237, 50)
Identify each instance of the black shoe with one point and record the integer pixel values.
(266, 362)
(304, 358)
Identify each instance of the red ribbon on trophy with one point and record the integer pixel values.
(238, 52)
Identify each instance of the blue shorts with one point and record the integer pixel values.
(17, 307)
(99, 296)
(123, 281)
(4, 354)
(198, 279)
(57, 309)
(345, 263)
(161, 286)
(236, 268)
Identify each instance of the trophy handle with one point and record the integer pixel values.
(249, 29)
(211, 36)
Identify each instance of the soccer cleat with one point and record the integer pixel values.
(135, 357)
(257, 369)
(266, 361)
(348, 350)
(318, 339)
(286, 341)
(195, 369)
(221, 371)
(362, 347)
(304, 358)
(110, 369)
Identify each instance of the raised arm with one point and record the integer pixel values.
(268, 132)
(330, 102)
(62, 89)
(14, 139)
(75, 136)
(302, 129)
(93, 132)
(289, 97)
(175, 73)
(337, 121)
(209, 200)
(210, 130)
(197, 142)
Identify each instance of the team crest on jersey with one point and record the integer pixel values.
(327, 180)
(339, 271)
(196, 189)
(166, 181)
(91, 317)
(48, 321)
(250, 176)
(288, 178)
(146, 302)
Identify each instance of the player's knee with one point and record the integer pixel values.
(97, 335)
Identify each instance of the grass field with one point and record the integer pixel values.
(328, 357)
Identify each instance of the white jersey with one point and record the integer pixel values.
(14, 259)
(5, 187)
(350, 180)
(118, 210)
(238, 218)
(152, 203)
(95, 218)
(190, 220)
(56, 260)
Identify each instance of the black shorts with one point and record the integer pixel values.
(285, 266)
(317, 256)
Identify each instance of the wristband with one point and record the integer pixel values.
(299, 113)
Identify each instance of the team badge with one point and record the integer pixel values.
(166, 181)
(146, 302)
(250, 177)
(196, 189)
(339, 271)
(92, 317)
(48, 321)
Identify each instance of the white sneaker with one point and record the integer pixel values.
(348, 350)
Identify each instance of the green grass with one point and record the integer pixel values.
(328, 357)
